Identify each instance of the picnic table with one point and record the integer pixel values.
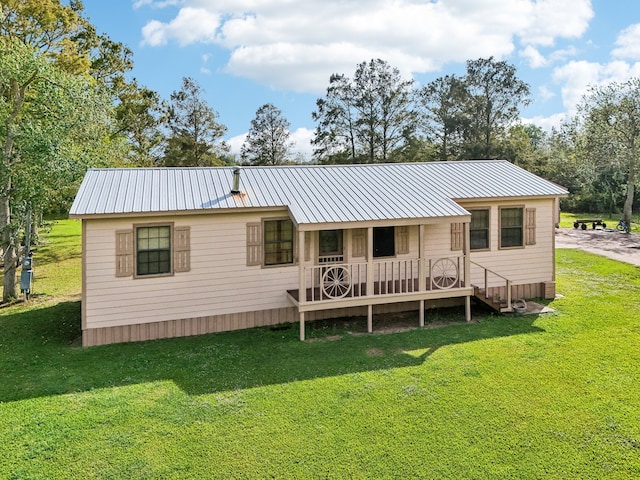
(595, 222)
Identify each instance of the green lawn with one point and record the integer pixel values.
(567, 219)
(554, 396)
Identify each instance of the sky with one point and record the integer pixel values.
(246, 53)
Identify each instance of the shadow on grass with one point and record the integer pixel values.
(41, 355)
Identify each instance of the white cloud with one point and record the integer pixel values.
(628, 43)
(300, 138)
(191, 25)
(577, 76)
(550, 19)
(155, 4)
(533, 57)
(547, 123)
(544, 93)
(296, 45)
(235, 143)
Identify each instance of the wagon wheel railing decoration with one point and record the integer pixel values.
(444, 273)
(336, 282)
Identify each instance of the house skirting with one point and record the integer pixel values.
(238, 321)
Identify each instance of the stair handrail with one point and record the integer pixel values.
(486, 281)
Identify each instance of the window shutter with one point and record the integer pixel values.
(124, 253)
(359, 242)
(530, 226)
(456, 236)
(254, 244)
(182, 249)
(402, 240)
(307, 246)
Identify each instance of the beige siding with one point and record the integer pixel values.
(219, 281)
(528, 265)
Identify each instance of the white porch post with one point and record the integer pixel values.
(466, 248)
(422, 279)
(370, 277)
(302, 284)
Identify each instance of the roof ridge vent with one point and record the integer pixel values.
(236, 181)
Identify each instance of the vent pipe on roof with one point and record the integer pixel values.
(236, 181)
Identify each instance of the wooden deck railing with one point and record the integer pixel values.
(332, 281)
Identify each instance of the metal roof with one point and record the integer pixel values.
(312, 193)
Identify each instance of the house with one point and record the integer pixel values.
(183, 251)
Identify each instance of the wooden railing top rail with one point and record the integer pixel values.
(489, 270)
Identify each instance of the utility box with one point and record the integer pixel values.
(26, 276)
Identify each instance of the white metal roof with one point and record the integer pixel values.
(312, 193)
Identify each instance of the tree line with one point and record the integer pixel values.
(66, 105)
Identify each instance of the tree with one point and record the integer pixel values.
(494, 97)
(335, 135)
(194, 133)
(52, 113)
(267, 141)
(368, 119)
(139, 117)
(610, 119)
(443, 116)
(53, 125)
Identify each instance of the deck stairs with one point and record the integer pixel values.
(498, 304)
(494, 290)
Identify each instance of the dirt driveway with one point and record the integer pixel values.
(610, 243)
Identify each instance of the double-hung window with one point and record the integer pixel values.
(511, 227)
(278, 242)
(479, 229)
(153, 250)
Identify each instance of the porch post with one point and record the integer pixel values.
(422, 278)
(466, 249)
(467, 267)
(370, 318)
(302, 326)
(422, 313)
(370, 261)
(467, 308)
(302, 284)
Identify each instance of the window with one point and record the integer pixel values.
(330, 243)
(511, 227)
(153, 250)
(147, 250)
(384, 241)
(479, 229)
(278, 242)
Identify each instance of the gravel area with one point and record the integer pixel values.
(608, 242)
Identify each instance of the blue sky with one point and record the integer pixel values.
(245, 53)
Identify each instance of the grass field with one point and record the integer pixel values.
(526, 397)
(567, 219)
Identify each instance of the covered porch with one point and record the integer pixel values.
(342, 278)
